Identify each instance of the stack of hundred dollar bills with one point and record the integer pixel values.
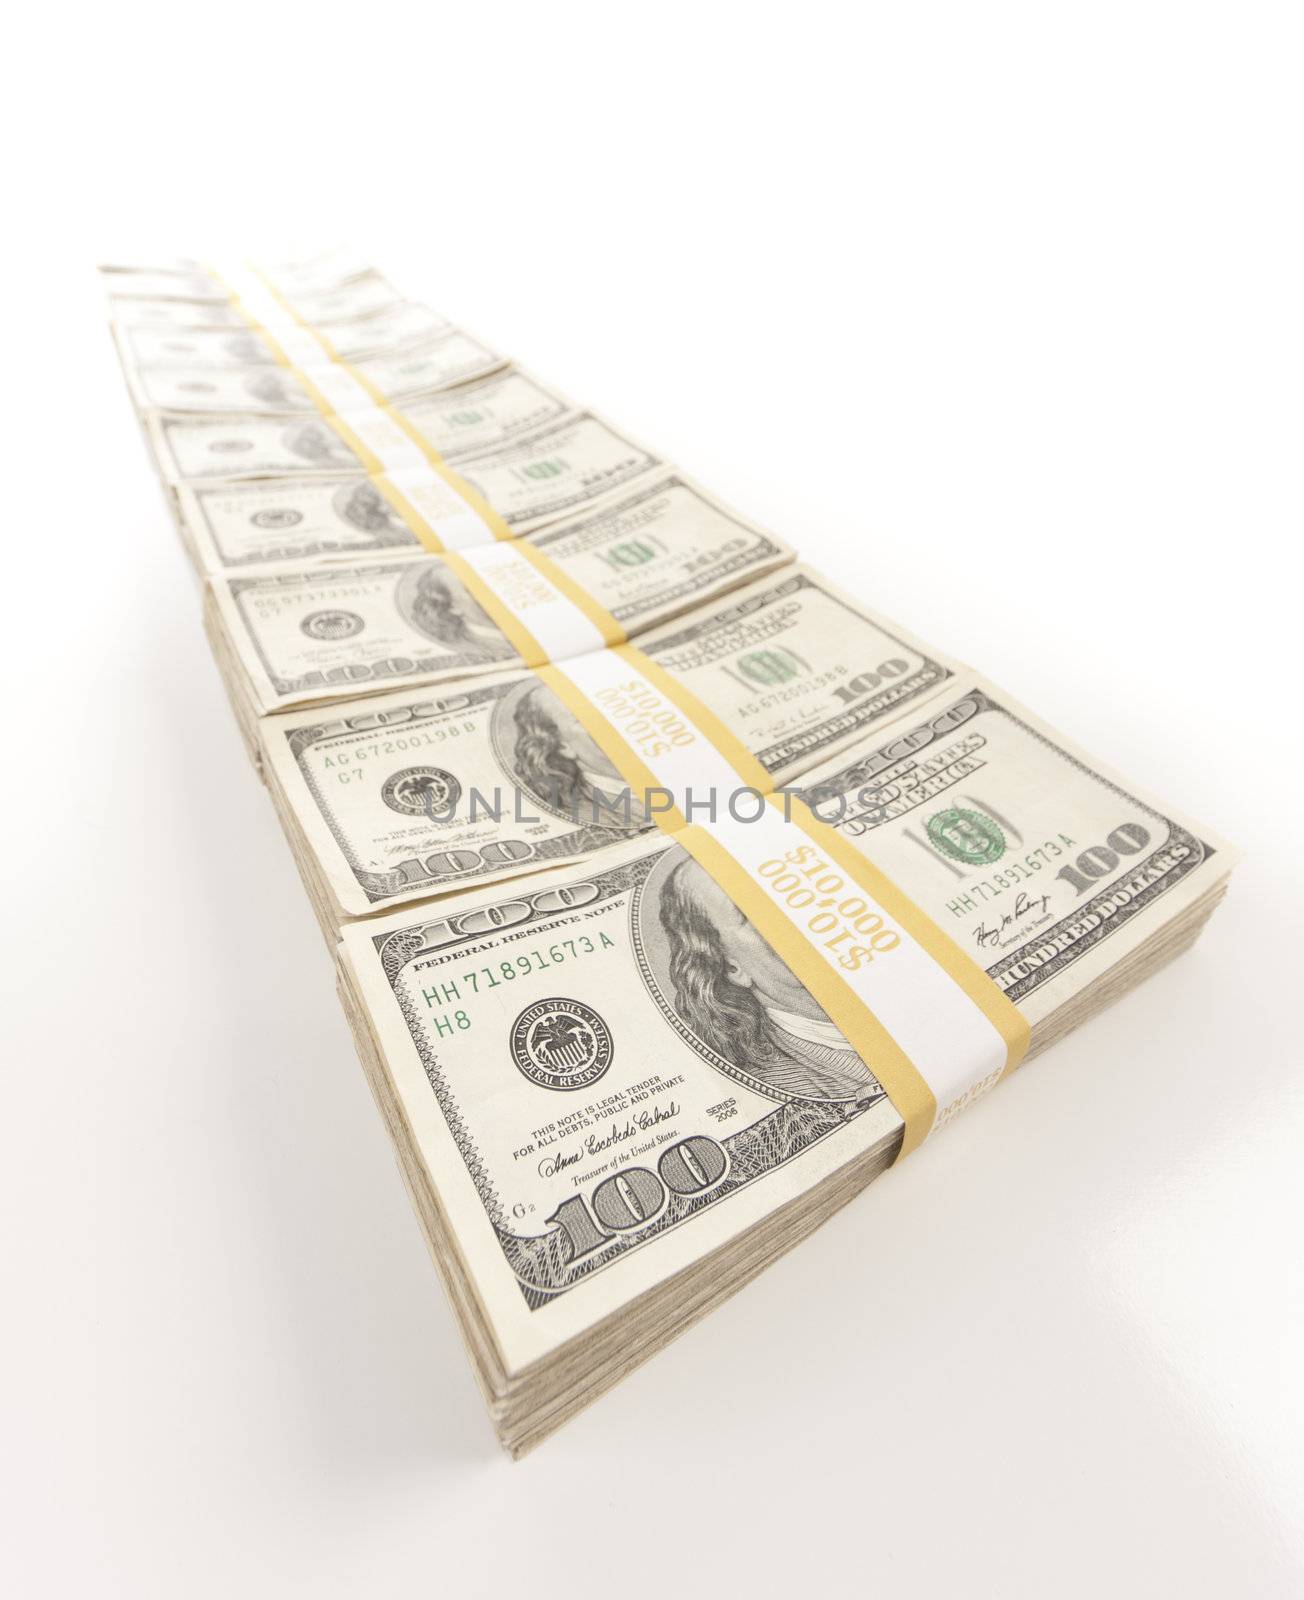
(612, 1100)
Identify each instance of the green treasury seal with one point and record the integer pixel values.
(966, 836)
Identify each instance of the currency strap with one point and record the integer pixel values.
(930, 1023)
(544, 614)
(440, 507)
(932, 1026)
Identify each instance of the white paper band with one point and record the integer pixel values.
(681, 757)
(393, 448)
(954, 1046)
(299, 347)
(299, 344)
(559, 625)
(315, 277)
(458, 525)
(339, 388)
(948, 1038)
(255, 298)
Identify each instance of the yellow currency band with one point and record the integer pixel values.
(513, 628)
(374, 467)
(512, 625)
(905, 1085)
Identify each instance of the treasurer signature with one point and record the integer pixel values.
(1025, 905)
(616, 1133)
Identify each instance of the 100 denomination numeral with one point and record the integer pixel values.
(1101, 859)
(635, 1196)
(867, 682)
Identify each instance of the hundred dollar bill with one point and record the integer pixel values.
(607, 1088)
(225, 351)
(320, 275)
(569, 464)
(797, 669)
(1038, 861)
(555, 471)
(343, 302)
(321, 270)
(145, 284)
(401, 796)
(655, 538)
(304, 634)
(259, 522)
(183, 316)
(398, 797)
(188, 276)
(198, 349)
(360, 299)
(408, 795)
(453, 358)
(261, 389)
(794, 667)
(603, 1077)
(315, 274)
(212, 449)
(173, 267)
(402, 324)
(457, 421)
(324, 304)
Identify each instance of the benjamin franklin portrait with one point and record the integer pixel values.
(271, 386)
(739, 998)
(319, 445)
(436, 604)
(363, 507)
(554, 759)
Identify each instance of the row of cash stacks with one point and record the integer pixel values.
(674, 893)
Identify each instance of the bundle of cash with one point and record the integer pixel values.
(250, 383)
(298, 635)
(626, 1055)
(407, 795)
(789, 661)
(711, 1113)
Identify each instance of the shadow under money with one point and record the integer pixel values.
(357, 1329)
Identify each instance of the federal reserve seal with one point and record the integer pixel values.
(966, 836)
(276, 517)
(561, 1044)
(422, 792)
(330, 625)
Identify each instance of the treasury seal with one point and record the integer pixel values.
(331, 625)
(966, 836)
(422, 792)
(561, 1044)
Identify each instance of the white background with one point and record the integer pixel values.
(993, 311)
